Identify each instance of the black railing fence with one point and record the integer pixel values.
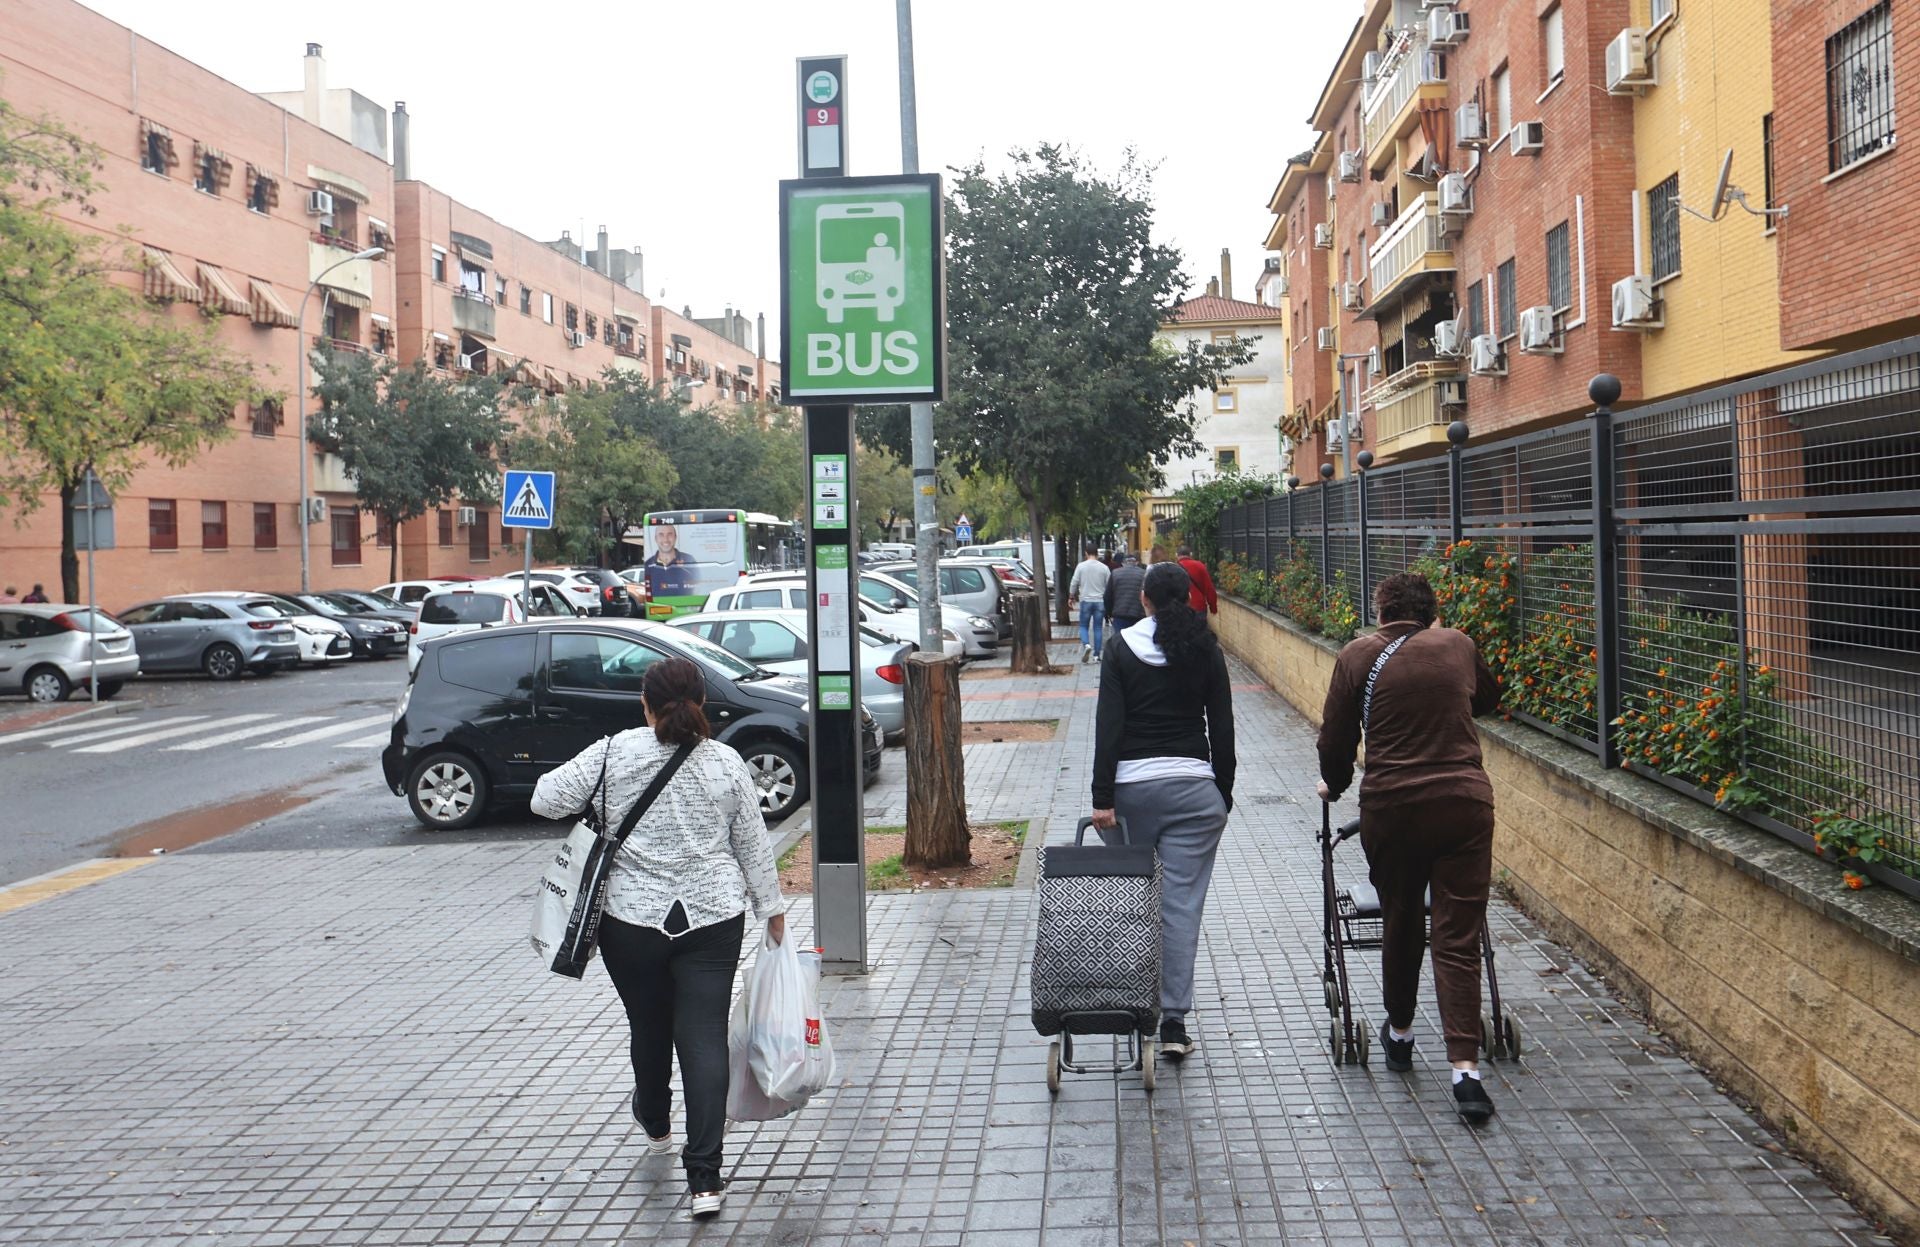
(1738, 617)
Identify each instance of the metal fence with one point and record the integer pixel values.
(1721, 591)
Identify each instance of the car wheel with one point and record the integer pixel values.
(110, 688)
(447, 791)
(46, 684)
(222, 662)
(780, 773)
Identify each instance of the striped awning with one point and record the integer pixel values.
(348, 298)
(268, 309)
(221, 294)
(164, 280)
(340, 184)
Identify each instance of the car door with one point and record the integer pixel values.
(499, 723)
(168, 636)
(589, 688)
(13, 647)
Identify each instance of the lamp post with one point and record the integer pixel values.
(371, 253)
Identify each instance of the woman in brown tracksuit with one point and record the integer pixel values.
(1426, 812)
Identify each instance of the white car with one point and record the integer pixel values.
(583, 593)
(322, 641)
(410, 592)
(777, 641)
(462, 608)
(44, 651)
(787, 590)
(981, 634)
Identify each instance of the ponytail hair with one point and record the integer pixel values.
(674, 692)
(1180, 633)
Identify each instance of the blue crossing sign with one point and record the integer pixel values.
(528, 499)
(963, 530)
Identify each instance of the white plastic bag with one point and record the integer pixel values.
(814, 1071)
(788, 1051)
(745, 1100)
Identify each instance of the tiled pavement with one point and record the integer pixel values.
(354, 1047)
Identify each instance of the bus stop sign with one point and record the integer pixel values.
(862, 290)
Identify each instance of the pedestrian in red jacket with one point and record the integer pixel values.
(1201, 596)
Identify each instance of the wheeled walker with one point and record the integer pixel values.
(1351, 919)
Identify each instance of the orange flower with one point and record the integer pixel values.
(1765, 670)
(1856, 882)
(1713, 733)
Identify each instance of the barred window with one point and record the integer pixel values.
(1663, 218)
(1559, 269)
(1509, 305)
(1860, 87)
(1766, 158)
(1476, 309)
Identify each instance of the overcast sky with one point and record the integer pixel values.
(670, 124)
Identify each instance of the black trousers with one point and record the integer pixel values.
(676, 991)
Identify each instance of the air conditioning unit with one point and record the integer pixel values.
(1470, 125)
(466, 363)
(1527, 138)
(1350, 296)
(465, 517)
(1486, 358)
(1370, 68)
(1373, 361)
(1446, 28)
(1446, 339)
(1634, 304)
(1433, 66)
(1436, 4)
(1336, 433)
(1286, 286)
(1538, 334)
(1323, 236)
(1273, 264)
(316, 510)
(1629, 67)
(1456, 196)
(1350, 166)
(1382, 215)
(578, 339)
(1323, 338)
(1453, 392)
(319, 203)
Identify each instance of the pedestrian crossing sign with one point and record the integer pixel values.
(529, 500)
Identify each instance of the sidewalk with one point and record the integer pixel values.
(355, 1047)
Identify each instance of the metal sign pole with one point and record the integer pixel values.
(526, 573)
(93, 624)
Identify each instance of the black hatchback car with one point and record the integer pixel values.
(486, 714)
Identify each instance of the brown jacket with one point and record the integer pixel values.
(1422, 744)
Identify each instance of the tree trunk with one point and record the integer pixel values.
(1039, 545)
(69, 557)
(1060, 566)
(936, 772)
(1030, 633)
(393, 551)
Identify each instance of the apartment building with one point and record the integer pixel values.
(706, 364)
(1303, 236)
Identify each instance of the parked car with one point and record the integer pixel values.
(322, 641)
(546, 601)
(374, 602)
(778, 641)
(1022, 550)
(980, 633)
(44, 651)
(789, 592)
(369, 635)
(486, 714)
(224, 636)
(410, 592)
(584, 594)
(613, 596)
(1012, 572)
(464, 608)
(973, 587)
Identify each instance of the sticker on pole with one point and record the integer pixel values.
(529, 500)
(864, 310)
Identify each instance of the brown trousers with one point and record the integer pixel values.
(1445, 843)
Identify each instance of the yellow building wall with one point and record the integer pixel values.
(1714, 65)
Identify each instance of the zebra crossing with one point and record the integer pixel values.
(193, 733)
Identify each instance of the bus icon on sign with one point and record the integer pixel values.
(861, 250)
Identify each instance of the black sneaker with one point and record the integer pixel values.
(1398, 1052)
(1175, 1043)
(1470, 1098)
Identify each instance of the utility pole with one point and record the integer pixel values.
(926, 516)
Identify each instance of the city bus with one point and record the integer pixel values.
(690, 554)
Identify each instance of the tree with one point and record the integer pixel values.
(409, 439)
(1056, 380)
(609, 476)
(745, 457)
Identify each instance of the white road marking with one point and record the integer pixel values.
(140, 725)
(167, 733)
(321, 733)
(367, 742)
(58, 729)
(241, 733)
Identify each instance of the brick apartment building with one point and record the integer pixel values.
(235, 203)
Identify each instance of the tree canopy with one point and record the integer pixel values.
(608, 475)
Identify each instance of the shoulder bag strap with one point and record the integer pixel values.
(597, 818)
(1366, 702)
(660, 779)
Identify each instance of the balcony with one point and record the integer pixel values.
(473, 313)
(1413, 247)
(1391, 109)
(1407, 411)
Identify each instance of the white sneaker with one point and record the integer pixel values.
(661, 1146)
(1086, 654)
(707, 1203)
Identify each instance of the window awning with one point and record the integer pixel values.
(681, 339)
(220, 293)
(378, 319)
(440, 337)
(164, 279)
(340, 184)
(268, 309)
(467, 244)
(348, 298)
(620, 313)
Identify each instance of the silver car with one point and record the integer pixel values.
(226, 637)
(44, 651)
(777, 641)
(971, 586)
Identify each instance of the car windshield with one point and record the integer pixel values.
(869, 637)
(92, 620)
(320, 606)
(463, 608)
(714, 656)
(344, 605)
(264, 609)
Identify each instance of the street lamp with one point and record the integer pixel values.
(371, 253)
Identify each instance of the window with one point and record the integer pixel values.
(346, 535)
(1661, 10)
(1559, 270)
(1225, 400)
(162, 531)
(382, 531)
(1476, 309)
(499, 290)
(962, 580)
(206, 172)
(266, 526)
(1226, 459)
(1766, 160)
(758, 599)
(1553, 46)
(268, 414)
(341, 323)
(573, 317)
(500, 665)
(526, 301)
(1663, 218)
(546, 308)
(1502, 102)
(602, 664)
(463, 606)
(506, 534)
(473, 280)
(382, 337)
(156, 148)
(1509, 313)
(593, 326)
(446, 527)
(213, 526)
(477, 548)
(262, 192)
(1860, 88)
(761, 640)
(439, 264)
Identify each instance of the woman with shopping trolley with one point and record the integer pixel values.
(1426, 812)
(1163, 763)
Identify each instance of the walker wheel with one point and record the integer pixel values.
(1149, 1051)
(1489, 1046)
(1053, 1067)
(1332, 995)
(1333, 1041)
(1362, 1039)
(1513, 1035)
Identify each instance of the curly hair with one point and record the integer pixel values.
(1406, 596)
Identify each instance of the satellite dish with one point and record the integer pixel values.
(1719, 202)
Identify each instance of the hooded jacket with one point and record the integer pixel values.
(1151, 709)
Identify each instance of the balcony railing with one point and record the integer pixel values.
(1401, 75)
(1410, 411)
(474, 314)
(1407, 243)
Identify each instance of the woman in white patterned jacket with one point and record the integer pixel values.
(677, 899)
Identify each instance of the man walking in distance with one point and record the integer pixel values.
(1122, 598)
(1089, 588)
(1202, 598)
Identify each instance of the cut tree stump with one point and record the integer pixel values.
(937, 834)
(1030, 632)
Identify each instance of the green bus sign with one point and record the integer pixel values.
(862, 299)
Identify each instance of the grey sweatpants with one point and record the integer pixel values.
(1182, 819)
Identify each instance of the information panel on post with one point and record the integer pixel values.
(823, 116)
